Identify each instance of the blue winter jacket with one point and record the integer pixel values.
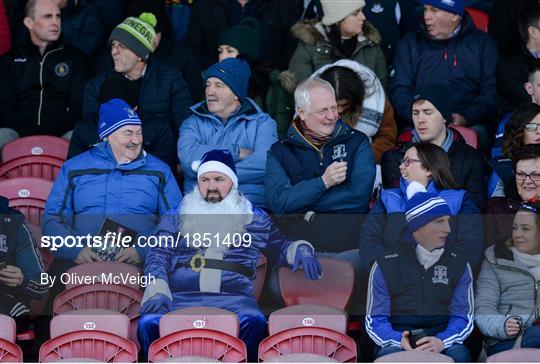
(170, 263)
(466, 63)
(383, 225)
(93, 186)
(248, 128)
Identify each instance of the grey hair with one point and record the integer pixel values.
(302, 94)
(29, 8)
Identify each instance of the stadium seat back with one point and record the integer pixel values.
(36, 145)
(468, 134)
(515, 356)
(202, 317)
(333, 289)
(35, 166)
(309, 340)
(479, 18)
(28, 195)
(307, 316)
(8, 328)
(90, 320)
(211, 344)
(414, 357)
(121, 272)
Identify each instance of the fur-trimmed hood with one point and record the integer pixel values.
(313, 31)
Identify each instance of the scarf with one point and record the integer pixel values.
(531, 261)
(427, 258)
(316, 139)
(447, 141)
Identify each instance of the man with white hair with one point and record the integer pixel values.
(214, 264)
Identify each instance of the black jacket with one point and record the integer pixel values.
(42, 94)
(210, 18)
(468, 166)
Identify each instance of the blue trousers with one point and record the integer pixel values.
(458, 352)
(530, 339)
(253, 325)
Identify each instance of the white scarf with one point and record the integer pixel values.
(530, 261)
(427, 258)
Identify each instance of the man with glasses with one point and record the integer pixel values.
(431, 111)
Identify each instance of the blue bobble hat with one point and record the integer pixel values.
(115, 114)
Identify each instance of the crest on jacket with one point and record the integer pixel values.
(3, 243)
(440, 274)
(339, 152)
(61, 69)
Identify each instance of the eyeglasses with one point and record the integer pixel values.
(522, 176)
(532, 126)
(406, 161)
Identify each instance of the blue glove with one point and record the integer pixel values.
(157, 304)
(307, 259)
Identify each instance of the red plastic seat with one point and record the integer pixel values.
(515, 356)
(307, 316)
(36, 145)
(34, 166)
(333, 289)
(414, 357)
(89, 334)
(258, 283)
(201, 332)
(9, 351)
(118, 298)
(468, 134)
(118, 271)
(28, 195)
(479, 18)
(309, 340)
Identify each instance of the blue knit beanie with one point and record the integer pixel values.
(452, 6)
(423, 207)
(115, 114)
(217, 160)
(234, 72)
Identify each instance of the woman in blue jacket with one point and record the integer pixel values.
(427, 164)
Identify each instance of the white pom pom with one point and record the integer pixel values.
(413, 188)
(195, 165)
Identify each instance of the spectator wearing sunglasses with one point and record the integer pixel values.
(429, 165)
(431, 112)
(523, 186)
(522, 129)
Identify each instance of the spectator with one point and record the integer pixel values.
(522, 129)
(533, 89)
(422, 283)
(512, 72)
(428, 164)
(115, 180)
(21, 268)
(506, 306)
(5, 32)
(210, 18)
(362, 103)
(518, 188)
(156, 91)
(448, 48)
(431, 110)
(230, 120)
(503, 25)
(42, 79)
(319, 179)
(243, 41)
(342, 34)
(167, 50)
(224, 280)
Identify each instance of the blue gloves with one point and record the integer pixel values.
(306, 258)
(157, 304)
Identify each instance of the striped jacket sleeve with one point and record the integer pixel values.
(378, 325)
(461, 321)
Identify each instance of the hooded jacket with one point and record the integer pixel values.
(93, 186)
(503, 283)
(466, 63)
(314, 50)
(248, 128)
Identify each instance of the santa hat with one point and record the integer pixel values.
(423, 207)
(217, 160)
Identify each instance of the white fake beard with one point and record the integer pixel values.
(227, 217)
